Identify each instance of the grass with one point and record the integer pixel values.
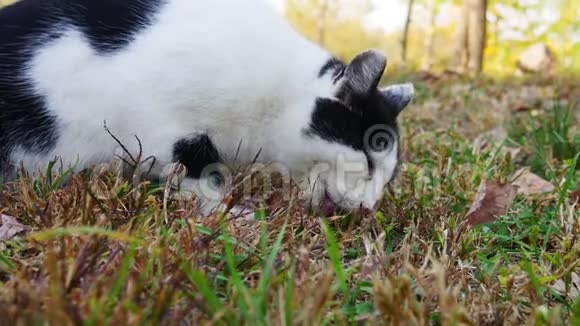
(106, 252)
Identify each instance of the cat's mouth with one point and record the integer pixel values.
(330, 208)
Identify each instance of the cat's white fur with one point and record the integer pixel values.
(241, 75)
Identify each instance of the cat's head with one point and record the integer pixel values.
(352, 141)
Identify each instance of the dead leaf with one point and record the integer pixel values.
(493, 199)
(560, 287)
(11, 228)
(522, 107)
(575, 196)
(529, 183)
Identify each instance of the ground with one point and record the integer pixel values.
(460, 238)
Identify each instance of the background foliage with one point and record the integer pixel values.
(512, 26)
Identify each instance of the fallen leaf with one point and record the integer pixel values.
(11, 228)
(529, 183)
(560, 287)
(575, 196)
(493, 199)
(522, 107)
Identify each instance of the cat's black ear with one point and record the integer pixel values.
(398, 96)
(363, 74)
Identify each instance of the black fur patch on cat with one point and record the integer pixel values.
(109, 25)
(336, 122)
(24, 122)
(195, 154)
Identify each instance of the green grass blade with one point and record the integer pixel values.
(334, 255)
(289, 299)
(6, 262)
(262, 297)
(52, 234)
(200, 281)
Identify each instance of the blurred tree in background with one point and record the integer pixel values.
(406, 29)
(465, 36)
(471, 37)
(335, 24)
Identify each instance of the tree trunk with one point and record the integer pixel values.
(477, 31)
(322, 22)
(461, 54)
(430, 40)
(405, 38)
(471, 37)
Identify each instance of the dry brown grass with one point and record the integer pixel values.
(105, 252)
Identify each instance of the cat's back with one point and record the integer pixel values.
(28, 27)
(107, 24)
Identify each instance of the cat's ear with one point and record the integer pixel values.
(363, 74)
(398, 96)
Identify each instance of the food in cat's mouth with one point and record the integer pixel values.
(329, 208)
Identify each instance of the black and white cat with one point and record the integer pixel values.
(200, 83)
